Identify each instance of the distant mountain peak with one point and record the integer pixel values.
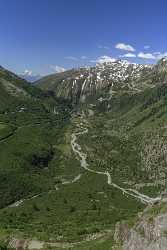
(29, 76)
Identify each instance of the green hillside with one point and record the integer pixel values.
(69, 173)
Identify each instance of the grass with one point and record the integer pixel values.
(36, 158)
(71, 213)
(105, 243)
(5, 131)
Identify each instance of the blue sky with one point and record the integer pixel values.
(44, 36)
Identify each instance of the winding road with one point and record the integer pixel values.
(84, 164)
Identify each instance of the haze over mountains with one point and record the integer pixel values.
(29, 76)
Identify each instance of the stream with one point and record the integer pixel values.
(84, 164)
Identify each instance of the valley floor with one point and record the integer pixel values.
(90, 192)
(129, 191)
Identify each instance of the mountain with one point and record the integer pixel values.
(25, 115)
(107, 78)
(29, 77)
(148, 231)
(83, 158)
(12, 87)
(13, 84)
(15, 91)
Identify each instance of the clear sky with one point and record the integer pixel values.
(46, 35)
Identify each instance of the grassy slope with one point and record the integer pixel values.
(26, 149)
(28, 132)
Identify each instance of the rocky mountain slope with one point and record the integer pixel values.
(106, 80)
(83, 83)
(148, 232)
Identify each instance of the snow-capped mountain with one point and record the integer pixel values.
(29, 76)
(104, 79)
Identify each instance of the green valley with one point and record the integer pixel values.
(72, 168)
